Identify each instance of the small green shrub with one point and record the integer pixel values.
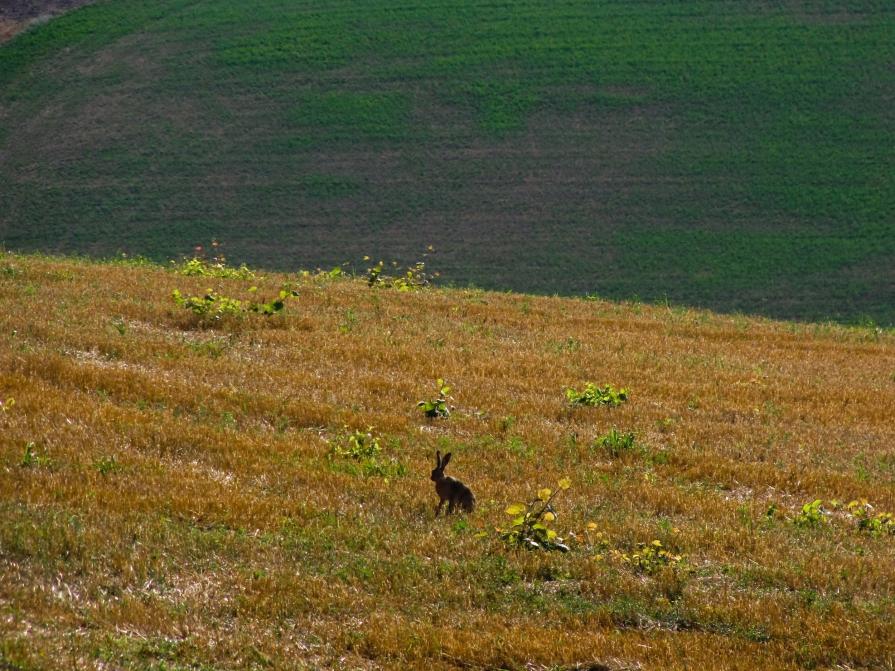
(320, 275)
(880, 524)
(274, 306)
(811, 515)
(411, 278)
(212, 307)
(10, 271)
(31, 459)
(650, 558)
(105, 465)
(357, 444)
(616, 443)
(199, 266)
(361, 453)
(438, 406)
(593, 396)
(530, 526)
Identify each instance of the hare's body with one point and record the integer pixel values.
(450, 489)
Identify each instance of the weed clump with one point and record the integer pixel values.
(530, 528)
(879, 524)
(650, 558)
(812, 515)
(616, 443)
(361, 453)
(411, 278)
(438, 406)
(593, 396)
(199, 266)
(212, 308)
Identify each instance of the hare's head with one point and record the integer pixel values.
(438, 471)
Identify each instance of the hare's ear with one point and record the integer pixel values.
(438, 459)
(447, 458)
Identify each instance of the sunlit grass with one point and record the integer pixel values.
(179, 496)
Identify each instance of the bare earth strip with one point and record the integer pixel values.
(19, 14)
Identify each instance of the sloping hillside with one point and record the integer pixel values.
(17, 15)
(730, 154)
(181, 496)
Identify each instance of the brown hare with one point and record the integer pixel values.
(450, 489)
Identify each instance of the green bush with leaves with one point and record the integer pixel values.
(592, 395)
(879, 524)
(361, 453)
(616, 443)
(411, 278)
(438, 406)
(650, 558)
(530, 528)
(320, 275)
(213, 307)
(197, 267)
(210, 306)
(105, 465)
(32, 459)
(357, 444)
(811, 515)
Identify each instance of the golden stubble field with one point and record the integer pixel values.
(171, 496)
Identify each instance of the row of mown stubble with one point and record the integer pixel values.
(179, 507)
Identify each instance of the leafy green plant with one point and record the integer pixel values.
(880, 524)
(411, 278)
(364, 449)
(119, 325)
(593, 395)
(6, 404)
(105, 465)
(616, 443)
(10, 270)
(811, 515)
(438, 406)
(530, 526)
(595, 541)
(568, 345)
(209, 306)
(199, 266)
(213, 307)
(31, 459)
(274, 306)
(357, 444)
(650, 558)
(320, 275)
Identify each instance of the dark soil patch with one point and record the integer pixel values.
(16, 15)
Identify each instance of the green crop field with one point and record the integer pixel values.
(736, 155)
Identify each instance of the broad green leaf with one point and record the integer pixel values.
(565, 483)
(544, 494)
(549, 517)
(515, 509)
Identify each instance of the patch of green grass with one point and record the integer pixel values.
(733, 155)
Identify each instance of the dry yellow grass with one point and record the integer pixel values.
(178, 506)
